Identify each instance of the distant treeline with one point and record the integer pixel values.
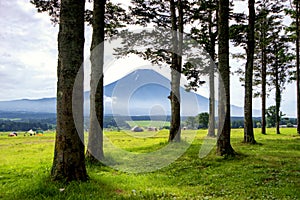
(238, 122)
(24, 121)
(26, 115)
(10, 125)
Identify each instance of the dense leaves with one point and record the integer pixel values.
(115, 15)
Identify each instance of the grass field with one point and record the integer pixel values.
(268, 170)
(148, 123)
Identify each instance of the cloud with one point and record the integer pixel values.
(110, 100)
(28, 51)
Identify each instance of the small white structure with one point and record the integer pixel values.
(31, 132)
(137, 129)
(152, 129)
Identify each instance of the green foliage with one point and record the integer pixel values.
(203, 119)
(237, 124)
(266, 171)
(271, 116)
(191, 122)
(115, 15)
(25, 125)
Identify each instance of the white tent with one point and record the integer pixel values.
(137, 129)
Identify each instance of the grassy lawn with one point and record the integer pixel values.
(268, 170)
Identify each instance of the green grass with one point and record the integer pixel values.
(11, 119)
(268, 170)
(148, 123)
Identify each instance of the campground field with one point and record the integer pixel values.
(267, 170)
(156, 124)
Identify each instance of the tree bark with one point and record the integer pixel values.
(69, 161)
(175, 128)
(277, 95)
(248, 122)
(94, 151)
(224, 147)
(297, 66)
(211, 126)
(263, 78)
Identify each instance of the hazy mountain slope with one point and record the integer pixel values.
(143, 92)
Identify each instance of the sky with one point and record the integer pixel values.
(28, 58)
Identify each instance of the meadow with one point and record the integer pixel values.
(148, 123)
(268, 170)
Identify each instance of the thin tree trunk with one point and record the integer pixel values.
(179, 62)
(69, 161)
(211, 126)
(175, 130)
(95, 142)
(263, 79)
(263, 100)
(223, 143)
(248, 122)
(277, 94)
(297, 66)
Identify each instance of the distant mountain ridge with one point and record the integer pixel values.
(142, 92)
(44, 105)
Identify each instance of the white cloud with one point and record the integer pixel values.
(110, 100)
(28, 52)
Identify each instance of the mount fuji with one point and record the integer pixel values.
(142, 92)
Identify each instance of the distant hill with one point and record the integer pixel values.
(142, 92)
(45, 105)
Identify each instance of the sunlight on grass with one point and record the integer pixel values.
(268, 170)
(148, 123)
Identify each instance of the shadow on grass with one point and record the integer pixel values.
(43, 187)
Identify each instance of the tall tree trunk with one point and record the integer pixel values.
(263, 98)
(297, 66)
(277, 93)
(263, 78)
(248, 122)
(69, 161)
(211, 126)
(223, 144)
(95, 142)
(175, 129)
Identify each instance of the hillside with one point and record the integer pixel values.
(142, 92)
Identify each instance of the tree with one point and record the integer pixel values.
(191, 123)
(279, 70)
(224, 147)
(94, 151)
(69, 162)
(176, 66)
(262, 72)
(168, 14)
(248, 122)
(294, 28)
(272, 116)
(206, 34)
(298, 64)
(203, 120)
